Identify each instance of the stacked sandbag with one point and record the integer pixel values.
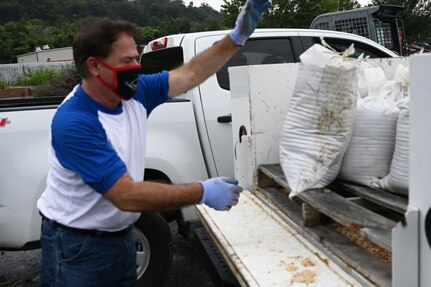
(370, 79)
(397, 89)
(371, 149)
(319, 122)
(397, 181)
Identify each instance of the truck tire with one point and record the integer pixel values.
(153, 240)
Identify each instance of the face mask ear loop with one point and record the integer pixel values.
(106, 84)
(113, 70)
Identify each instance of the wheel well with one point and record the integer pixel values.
(158, 176)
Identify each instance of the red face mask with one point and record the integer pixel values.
(125, 80)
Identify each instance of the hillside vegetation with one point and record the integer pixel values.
(26, 24)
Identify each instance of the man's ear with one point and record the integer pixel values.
(93, 66)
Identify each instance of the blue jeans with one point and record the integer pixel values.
(70, 258)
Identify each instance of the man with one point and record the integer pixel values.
(94, 188)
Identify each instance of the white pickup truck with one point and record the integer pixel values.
(189, 138)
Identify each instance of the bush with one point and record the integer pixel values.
(3, 84)
(60, 84)
(39, 77)
(48, 82)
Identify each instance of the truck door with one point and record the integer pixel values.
(215, 92)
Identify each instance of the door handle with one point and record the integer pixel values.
(224, 119)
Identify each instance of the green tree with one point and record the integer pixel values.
(230, 10)
(25, 24)
(14, 41)
(183, 24)
(213, 24)
(10, 11)
(288, 13)
(150, 33)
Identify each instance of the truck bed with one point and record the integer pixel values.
(350, 227)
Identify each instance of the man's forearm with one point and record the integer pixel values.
(201, 67)
(210, 61)
(154, 197)
(128, 195)
(219, 193)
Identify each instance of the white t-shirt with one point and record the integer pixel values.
(91, 148)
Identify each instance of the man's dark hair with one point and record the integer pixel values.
(96, 39)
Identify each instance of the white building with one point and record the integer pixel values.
(47, 55)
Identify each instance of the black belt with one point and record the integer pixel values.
(55, 224)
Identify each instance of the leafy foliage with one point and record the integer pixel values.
(38, 77)
(26, 24)
(288, 13)
(59, 85)
(3, 84)
(47, 82)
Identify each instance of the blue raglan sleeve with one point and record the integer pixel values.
(81, 145)
(153, 90)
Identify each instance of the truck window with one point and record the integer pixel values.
(160, 60)
(341, 45)
(258, 52)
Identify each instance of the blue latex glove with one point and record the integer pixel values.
(247, 20)
(220, 193)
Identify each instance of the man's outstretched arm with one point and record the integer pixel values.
(205, 64)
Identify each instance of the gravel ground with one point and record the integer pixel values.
(21, 268)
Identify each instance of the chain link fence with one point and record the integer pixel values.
(10, 73)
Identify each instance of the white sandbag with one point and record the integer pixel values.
(371, 80)
(396, 89)
(397, 181)
(362, 81)
(371, 147)
(319, 122)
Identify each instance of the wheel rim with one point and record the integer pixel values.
(143, 252)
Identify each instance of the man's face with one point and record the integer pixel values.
(124, 53)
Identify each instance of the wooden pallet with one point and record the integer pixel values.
(370, 213)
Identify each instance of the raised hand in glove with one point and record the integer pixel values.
(247, 20)
(220, 193)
